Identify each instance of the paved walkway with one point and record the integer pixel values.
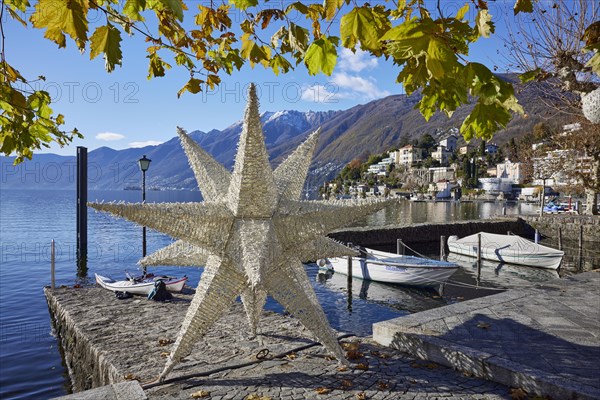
(545, 339)
(108, 340)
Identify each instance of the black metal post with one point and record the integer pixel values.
(144, 228)
(478, 258)
(82, 189)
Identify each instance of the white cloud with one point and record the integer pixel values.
(356, 62)
(353, 85)
(320, 93)
(144, 144)
(109, 136)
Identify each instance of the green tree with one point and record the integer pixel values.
(430, 163)
(430, 51)
(427, 143)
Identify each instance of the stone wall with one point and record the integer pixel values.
(88, 368)
(570, 225)
(386, 236)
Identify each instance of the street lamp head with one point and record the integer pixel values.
(144, 163)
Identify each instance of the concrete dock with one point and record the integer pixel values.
(107, 341)
(544, 339)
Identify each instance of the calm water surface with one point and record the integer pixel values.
(30, 363)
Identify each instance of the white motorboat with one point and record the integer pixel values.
(386, 267)
(510, 249)
(500, 274)
(399, 297)
(143, 287)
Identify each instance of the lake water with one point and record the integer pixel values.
(30, 362)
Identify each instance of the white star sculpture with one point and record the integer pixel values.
(252, 233)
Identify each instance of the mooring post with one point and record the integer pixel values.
(349, 280)
(442, 248)
(537, 236)
(82, 189)
(503, 210)
(478, 256)
(509, 233)
(400, 247)
(52, 263)
(559, 237)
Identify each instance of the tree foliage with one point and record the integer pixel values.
(559, 42)
(431, 52)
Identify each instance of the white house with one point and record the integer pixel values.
(465, 149)
(496, 185)
(437, 174)
(410, 155)
(449, 142)
(387, 161)
(378, 169)
(441, 189)
(441, 154)
(510, 170)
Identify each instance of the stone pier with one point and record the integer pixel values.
(386, 236)
(107, 341)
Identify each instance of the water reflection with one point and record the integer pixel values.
(402, 298)
(501, 275)
(406, 212)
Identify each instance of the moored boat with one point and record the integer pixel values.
(510, 249)
(143, 287)
(386, 267)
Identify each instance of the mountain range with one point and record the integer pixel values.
(347, 134)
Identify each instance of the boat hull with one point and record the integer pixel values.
(392, 268)
(522, 253)
(143, 288)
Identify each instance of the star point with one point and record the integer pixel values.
(252, 233)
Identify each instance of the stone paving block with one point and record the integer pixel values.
(527, 330)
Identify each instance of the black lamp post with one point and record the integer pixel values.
(144, 164)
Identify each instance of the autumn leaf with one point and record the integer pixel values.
(362, 367)
(132, 9)
(193, 86)
(485, 26)
(107, 39)
(244, 4)
(60, 18)
(523, 6)
(363, 25)
(321, 56)
(483, 325)
(518, 394)
(331, 8)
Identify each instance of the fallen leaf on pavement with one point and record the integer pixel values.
(483, 325)
(518, 394)
(322, 390)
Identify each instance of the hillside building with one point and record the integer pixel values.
(491, 148)
(511, 171)
(437, 174)
(465, 149)
(410, 155)
(442, 155)
(449, 142)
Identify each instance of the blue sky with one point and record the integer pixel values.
(124, 109)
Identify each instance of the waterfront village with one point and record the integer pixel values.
(446, 169)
